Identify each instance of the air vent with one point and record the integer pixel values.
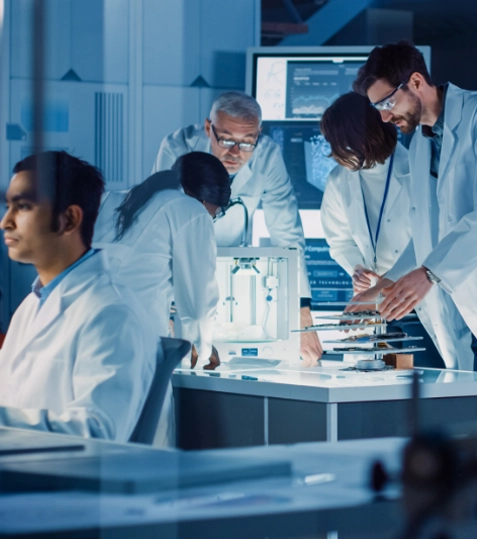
(109, 125)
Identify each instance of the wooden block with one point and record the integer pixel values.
(399, 361)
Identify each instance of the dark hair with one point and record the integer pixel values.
(355, 131)
(394, 63)
(67, 181)
(200, 174)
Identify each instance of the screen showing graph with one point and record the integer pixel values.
(301, 88)
(293, 91)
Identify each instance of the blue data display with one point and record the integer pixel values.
(328, 280)
(249, 352)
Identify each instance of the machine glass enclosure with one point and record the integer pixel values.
(259, 304)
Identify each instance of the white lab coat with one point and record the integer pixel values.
(344, 220)
(83, 363)
(168, 254)
(444, 220)
(263, 180)
(346, 230)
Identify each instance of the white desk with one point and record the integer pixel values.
(239, 406)
(326, 496)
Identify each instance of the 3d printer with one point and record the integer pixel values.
(259, 303)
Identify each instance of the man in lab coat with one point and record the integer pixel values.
(79, 355)
(258, 176)
(442, 158)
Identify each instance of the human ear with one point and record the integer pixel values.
(416, 82)
(207, 124)
(70, 220)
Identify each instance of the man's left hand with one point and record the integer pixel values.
(404, 295)
(310, 346)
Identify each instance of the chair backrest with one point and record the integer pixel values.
(169, 355)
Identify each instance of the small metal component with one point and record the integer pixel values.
(370, 365)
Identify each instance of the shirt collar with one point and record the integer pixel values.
(438, 128)
(42, 292)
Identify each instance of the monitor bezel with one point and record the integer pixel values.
(253, 53)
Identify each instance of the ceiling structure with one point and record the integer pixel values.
(449, 27)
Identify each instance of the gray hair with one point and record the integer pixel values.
(238, 105)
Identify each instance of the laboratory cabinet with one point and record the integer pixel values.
(285, 404)
(84, 39)
(198, 42)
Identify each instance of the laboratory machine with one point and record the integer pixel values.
(259, 306)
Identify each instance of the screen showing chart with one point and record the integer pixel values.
(293, 92)
(302, 88)
(307, 157)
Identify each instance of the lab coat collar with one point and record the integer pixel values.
(452, 118)
(400, 171)
(64, 295)
(356, 211)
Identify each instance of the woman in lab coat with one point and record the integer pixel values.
(160, 241)
(366, 206)
(366, 202)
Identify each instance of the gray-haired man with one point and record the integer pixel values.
(258, 176)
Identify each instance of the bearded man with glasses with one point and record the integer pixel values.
(258, 177)
(438, 270)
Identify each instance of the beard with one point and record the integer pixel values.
(411, 119)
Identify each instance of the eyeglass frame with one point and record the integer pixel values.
(219, 213)
(381, 104)
(235, 143)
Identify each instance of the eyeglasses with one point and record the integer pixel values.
(229, 144)
(219, 213)
(387, 103)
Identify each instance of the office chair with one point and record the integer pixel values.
(169, 355)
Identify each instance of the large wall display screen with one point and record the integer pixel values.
(294, 91)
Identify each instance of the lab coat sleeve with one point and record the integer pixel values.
(454, 258)
(173, 146)
(166, 156)
(111, 376)
(404, 264)
(196, 292)
(338, 231)
(280, 209)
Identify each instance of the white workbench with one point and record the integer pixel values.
(239, 405)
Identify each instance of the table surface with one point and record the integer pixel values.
(325, 477)
(328, 383)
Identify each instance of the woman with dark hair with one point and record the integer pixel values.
(160, 240)
(365, 208)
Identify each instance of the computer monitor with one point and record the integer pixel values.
(294, 86)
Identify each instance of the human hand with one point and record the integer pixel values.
(214, 359)
(194, 356)
(405, 294)
(366, 300)
(363, 278)
(310, 346)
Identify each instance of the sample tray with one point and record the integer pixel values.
(361, 342)
(378, 351)
(337, 327)
(351, 316)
